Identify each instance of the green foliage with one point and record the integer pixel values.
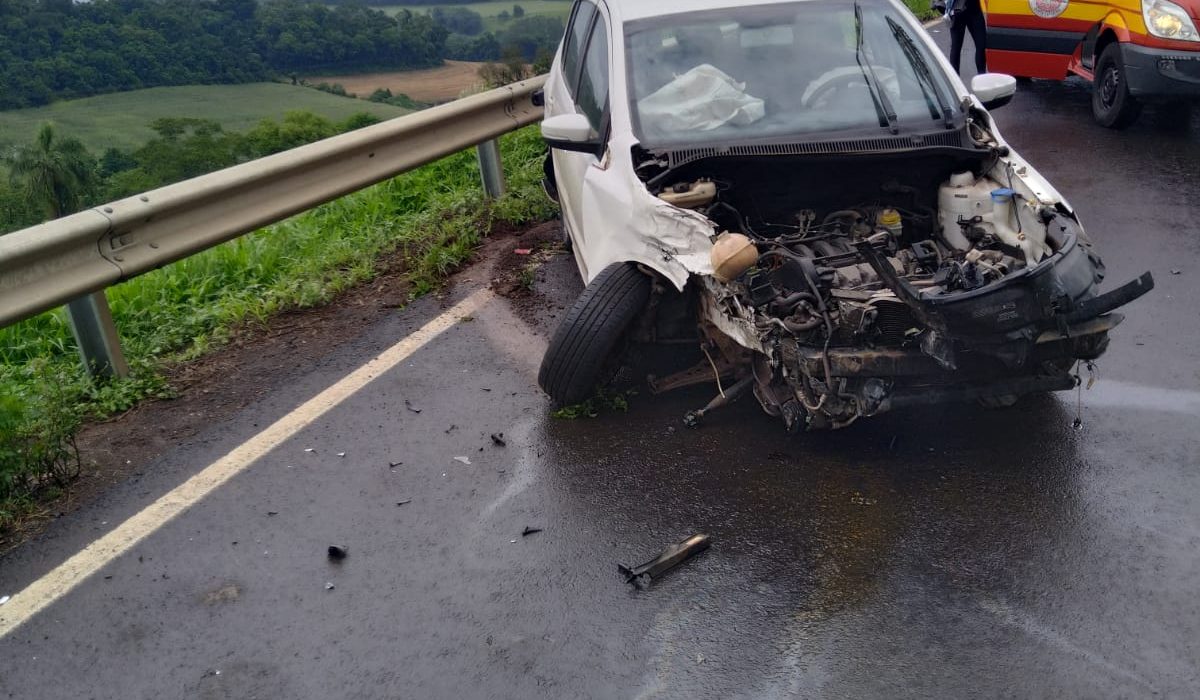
(533, 34)
(385, 96)
(53, 173)
(436, 215)
(518, 11)
(602, 401)
(458, 20)
(484, 47)
(65, 50)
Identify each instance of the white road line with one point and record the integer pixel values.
(65, 577)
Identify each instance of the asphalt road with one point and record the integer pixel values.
(951, 552)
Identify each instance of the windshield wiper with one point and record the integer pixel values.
(882, 103)
(924, 75)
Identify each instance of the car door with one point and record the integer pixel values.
(582, 88)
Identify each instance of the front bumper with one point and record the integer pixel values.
(1167, 73)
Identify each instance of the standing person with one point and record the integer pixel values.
(967, 16)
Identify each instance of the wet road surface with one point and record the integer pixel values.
(951, 552)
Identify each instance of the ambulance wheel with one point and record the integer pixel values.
(1112, 105)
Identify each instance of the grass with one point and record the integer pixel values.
(120, 120)
(921, 9)
(435, 215)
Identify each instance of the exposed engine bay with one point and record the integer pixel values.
(848, 286)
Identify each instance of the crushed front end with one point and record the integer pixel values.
(843, 288)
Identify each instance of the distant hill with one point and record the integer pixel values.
(120, 120)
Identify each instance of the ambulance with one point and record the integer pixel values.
(1132, 51)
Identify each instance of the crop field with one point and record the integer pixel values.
(429, 85)
(120, 120)
(491, 10)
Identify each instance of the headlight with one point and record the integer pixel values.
(1167, 20)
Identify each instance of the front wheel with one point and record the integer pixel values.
(1112, 104)
(583, 352)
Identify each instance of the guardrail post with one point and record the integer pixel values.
(491, 168)
(96, 335)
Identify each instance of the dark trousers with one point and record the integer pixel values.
(970, 20)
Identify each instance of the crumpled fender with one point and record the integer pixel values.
(625, 223)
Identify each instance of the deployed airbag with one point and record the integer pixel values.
(702, 99)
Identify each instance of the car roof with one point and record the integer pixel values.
(631, 10)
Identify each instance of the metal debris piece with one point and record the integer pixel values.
(451, 429)
(498, 439)
(464, 460)
(1176, 272)
(672, 556)
(337, 552)
(393, 465)
(4, 599)
(308, 449)
(404, 502)
(272, 512)
(530, 531)
(328, 585)
(341, 454)
(411, 407)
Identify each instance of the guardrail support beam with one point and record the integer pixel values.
(96, 335)
(491, 168)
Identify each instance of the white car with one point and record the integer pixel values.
(805, 199)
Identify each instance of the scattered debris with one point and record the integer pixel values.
(337, 552)
(404, 502)
(464, 460)
(451, 429)
(393, 465)
(512, 541)
(411, 407)
(328, 586)
(672, 556)
(498, 440)
(523, 251)
(272, 512)
(1176, 272)
(308, 449)
(892, 444)
(530, 531)
(4, 599)
(341, 454)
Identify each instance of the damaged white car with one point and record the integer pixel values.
(804, 198)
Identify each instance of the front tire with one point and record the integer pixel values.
(580, 357)
(1112, 104)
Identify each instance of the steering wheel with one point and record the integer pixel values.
(832, 82)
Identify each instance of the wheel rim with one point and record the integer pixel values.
(1110, 85)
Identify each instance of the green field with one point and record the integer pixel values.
(490, 10)
(120, 120)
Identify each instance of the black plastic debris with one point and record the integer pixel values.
(672, 556)
(337, 552)
(411, 407)
(393, 465)
(404, 502)
(530, 531)
(498, 440)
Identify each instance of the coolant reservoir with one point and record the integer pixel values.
(963, 197)
(732, 255)
(690, 195)
(1016, 226)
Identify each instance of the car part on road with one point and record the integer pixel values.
(581, 355)
(338, 552)
(498, 440)
(674, 555)
(693, 418)
(530, 531)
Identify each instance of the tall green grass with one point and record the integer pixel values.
(435, 215)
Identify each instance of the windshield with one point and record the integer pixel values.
(771, 71)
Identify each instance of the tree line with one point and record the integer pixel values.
(55, 175)
(59, 49)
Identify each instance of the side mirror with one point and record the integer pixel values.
(571, 132)
(994, 89)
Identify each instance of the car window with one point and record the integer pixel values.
(592, 97)
(766, 71)
(574, 42)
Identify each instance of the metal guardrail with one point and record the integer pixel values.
(79, 255)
